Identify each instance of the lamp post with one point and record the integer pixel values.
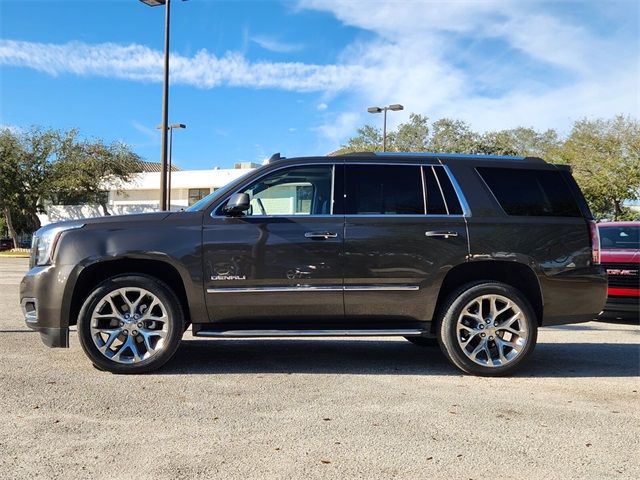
(170, 128)
(394, 107)
(165, 99)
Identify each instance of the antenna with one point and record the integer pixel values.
(275, 157)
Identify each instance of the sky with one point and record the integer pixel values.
(251, 78)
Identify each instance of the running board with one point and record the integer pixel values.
(403, 332)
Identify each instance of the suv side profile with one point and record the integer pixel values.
(474, 252)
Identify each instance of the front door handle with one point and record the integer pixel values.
(441, 234)
(320, 235)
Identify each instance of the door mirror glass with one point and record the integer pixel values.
(238, 203)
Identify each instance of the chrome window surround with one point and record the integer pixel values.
(317, 288)
(466, 211)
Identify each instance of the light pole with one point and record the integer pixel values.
(394, 107)
(165, 99)
(170, 128)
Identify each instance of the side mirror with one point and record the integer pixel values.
(238, 203)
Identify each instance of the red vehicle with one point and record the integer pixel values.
(620, 256)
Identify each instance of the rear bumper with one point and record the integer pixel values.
(573, 297)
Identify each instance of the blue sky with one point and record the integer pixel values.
(253, 78)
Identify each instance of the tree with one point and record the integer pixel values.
(39, 164)
(10, 184)
(605, 157)
(452, 136)
(368, 139)
(520, 141)
(85, 169)
(412, 136)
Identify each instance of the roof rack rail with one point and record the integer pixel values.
(356, 154)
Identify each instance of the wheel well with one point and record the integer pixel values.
(517, 275)
(94, 274)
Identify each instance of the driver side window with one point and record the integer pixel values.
(303, 190)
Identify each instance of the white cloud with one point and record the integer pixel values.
(204, 69)
(274, 45)
(495, 64)
(150, 133)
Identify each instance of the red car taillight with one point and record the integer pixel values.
(595, 242)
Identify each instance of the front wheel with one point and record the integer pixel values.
(130, 324)
(488, 329)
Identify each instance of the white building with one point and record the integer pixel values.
(143, 193)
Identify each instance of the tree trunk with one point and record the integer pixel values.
(105, 212)
(12, 231)
(616, 210)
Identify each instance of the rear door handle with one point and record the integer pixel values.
(320, 235)
(441, 234)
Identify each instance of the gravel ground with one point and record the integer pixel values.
(321, 408)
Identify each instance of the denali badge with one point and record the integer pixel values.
(618, 271)
(229, 277)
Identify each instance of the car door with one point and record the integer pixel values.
(282, 259)
(401, 237)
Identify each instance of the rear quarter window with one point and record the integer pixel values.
(526, 192)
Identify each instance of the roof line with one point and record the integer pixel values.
(449, 155)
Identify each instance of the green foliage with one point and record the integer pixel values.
(38, 164)
(604, 154)
(605, 157)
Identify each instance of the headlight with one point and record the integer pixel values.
(44, 242)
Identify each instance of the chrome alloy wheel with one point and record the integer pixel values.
(129, 325)
(492, 330)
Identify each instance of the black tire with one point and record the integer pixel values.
(174, 323)
(448, 335)
(423, 341)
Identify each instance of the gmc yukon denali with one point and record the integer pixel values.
(473, 253)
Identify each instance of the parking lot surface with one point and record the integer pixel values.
(318, 408)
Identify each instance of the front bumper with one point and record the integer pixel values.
(622, 307)
(42, 296)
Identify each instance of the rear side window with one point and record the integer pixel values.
(384, 190)
(542, 193)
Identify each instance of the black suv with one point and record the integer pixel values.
(474, 251)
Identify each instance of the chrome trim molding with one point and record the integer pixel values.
(381, 288)
(317, 288)
(403, 332)
(466, 211)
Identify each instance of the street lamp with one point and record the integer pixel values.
(170, 128)
(165, 99)
(394, 107)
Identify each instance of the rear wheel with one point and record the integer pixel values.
(130, 324)
(488, 329)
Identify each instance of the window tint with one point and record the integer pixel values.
(531, 192)
(626, 237)
(384, 189)
(304, 190)
(435, 202)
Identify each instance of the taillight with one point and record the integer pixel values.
(595, 242)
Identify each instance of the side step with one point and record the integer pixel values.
(401, 332)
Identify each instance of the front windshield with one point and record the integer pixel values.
(203, 202)
(625, 237)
